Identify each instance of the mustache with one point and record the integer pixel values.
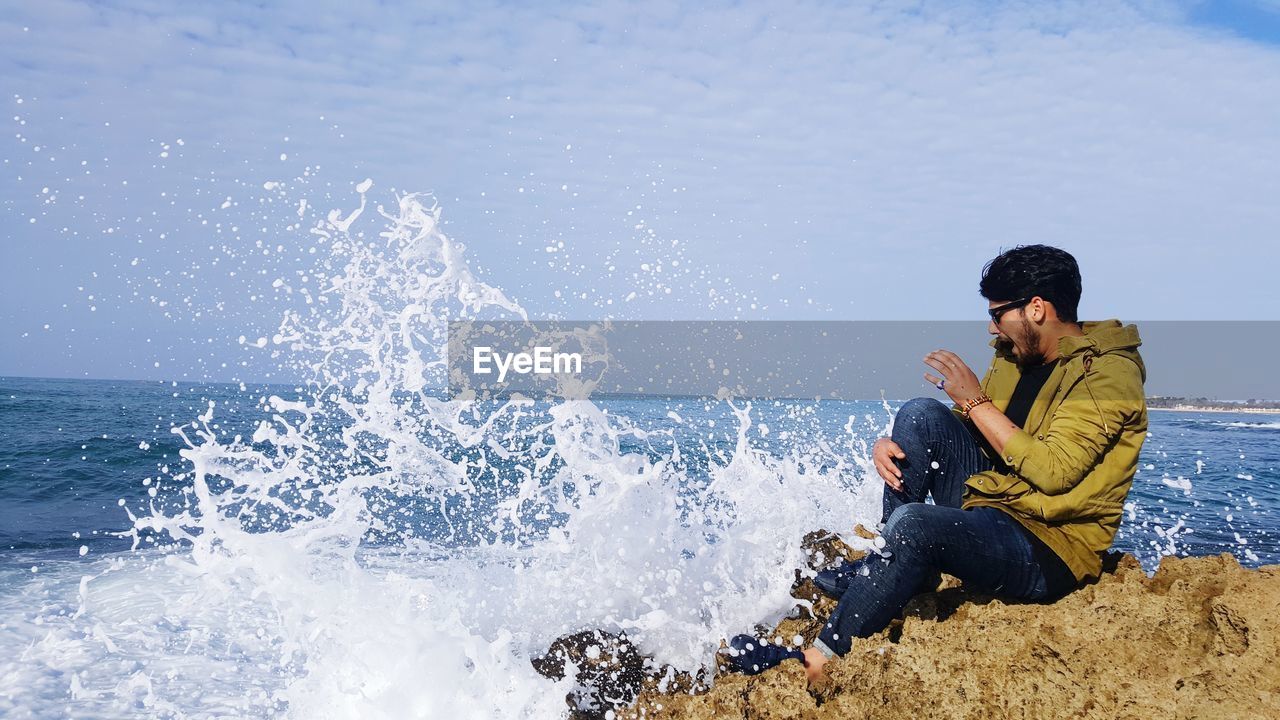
(1004, 344)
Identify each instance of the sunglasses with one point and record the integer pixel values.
(998, 311)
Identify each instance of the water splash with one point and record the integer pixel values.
(376, 550)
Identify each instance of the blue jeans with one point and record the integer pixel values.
(984, 547)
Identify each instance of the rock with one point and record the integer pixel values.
(825, 549)
(1201, 638)
(779, 694)
(608, 670)
(864, 533)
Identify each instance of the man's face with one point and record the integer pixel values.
(1017, 335)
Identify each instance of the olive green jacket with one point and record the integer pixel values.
(1074, 460)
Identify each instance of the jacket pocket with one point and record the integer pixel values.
(1060, 508)
(996, 484)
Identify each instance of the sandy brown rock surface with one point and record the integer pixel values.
(1200, 639)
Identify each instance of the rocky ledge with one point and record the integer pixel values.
(1199, 639)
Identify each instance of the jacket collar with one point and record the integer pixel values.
(1100, 336)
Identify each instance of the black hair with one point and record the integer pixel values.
(1030, 270)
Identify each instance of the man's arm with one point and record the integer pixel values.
(994, 425)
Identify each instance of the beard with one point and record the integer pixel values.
(1026, 350)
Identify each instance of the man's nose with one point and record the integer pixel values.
(992, 328)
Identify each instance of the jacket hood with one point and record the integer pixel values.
(1103, 337)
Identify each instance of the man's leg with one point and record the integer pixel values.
(983, 547)
(940, 455)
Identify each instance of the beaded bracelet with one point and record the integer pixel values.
(973, 403)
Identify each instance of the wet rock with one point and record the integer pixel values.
(864, 533)
(607, 668)
(825, 549)
(609, 672)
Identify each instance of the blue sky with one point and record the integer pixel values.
(806, 161)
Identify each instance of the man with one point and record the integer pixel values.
(1028, 470)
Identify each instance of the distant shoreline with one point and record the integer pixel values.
(1195, 408)
(1155, 402)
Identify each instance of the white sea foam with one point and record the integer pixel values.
(1250, 425)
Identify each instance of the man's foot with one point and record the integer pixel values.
(836, 580)
(750, 656)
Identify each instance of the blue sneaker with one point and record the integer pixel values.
(750, 656)
(835, 581)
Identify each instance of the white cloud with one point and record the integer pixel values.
(875, 156)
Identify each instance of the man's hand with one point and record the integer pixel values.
(883, 453)
(961, 383)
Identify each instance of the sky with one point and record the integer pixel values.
(794, 161)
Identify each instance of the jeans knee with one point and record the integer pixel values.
(919, 412)
(906, 526)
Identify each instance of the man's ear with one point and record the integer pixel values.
(1046, 309)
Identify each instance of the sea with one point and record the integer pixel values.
(358, 546)
(418, 609)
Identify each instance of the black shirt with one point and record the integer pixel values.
(1024, 394)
